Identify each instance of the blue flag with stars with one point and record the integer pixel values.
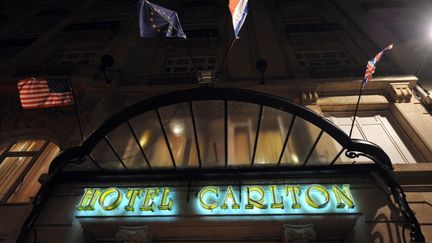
(155, 20)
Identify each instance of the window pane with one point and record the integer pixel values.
(300, 142)
(377, 133)
(344, 123)
(150, 135)
(10, 169)
(105, 157)
(242, 126)
(274, 128)
(325, 151)
(209, 118)
(30, 185)
(378, 129)
(27, 145)
(125, 145)
(178, 126)
(2, 149)
(404, 146)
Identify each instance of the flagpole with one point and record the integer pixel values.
(225, 57)
(190, 55)
(370, 70)
(76, 111)
(356, 109)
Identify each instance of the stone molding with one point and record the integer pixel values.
(298, 233)
(138, 234)
(309, 95)
(400, 92)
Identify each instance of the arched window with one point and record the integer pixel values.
(21, 164)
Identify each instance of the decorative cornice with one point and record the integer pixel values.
(133, 234)
(309, 95)
(400, 92)
(299, 233)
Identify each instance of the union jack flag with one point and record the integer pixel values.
(371, 65)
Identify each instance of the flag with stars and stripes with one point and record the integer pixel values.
(43, 93)
(238, 9)
(371, 65)
(155, 20)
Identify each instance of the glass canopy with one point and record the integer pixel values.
(214, 134)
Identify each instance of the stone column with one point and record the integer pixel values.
(129, 234)
(298, 233)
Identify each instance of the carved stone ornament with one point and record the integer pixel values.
(129, 234)
(400, 92)
(299, 233)
(309, 97)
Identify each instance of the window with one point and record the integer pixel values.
(328, 64)
(325, 58)
(77, 58)
(200, 11)
(184, 64)
(382, 130)
(113, 26)
(109, 10)
(311, 27)
(201, 31)
(21, 164)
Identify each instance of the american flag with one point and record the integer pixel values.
(371, 65)
(43, 93)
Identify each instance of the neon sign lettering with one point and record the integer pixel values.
(216, 200)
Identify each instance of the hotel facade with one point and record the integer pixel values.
(153, 151)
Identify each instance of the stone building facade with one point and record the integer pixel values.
(315, 50)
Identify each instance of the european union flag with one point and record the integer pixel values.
(155, 20)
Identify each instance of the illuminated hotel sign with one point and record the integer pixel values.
(216, 200)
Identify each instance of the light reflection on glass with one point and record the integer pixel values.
(105, 156)
(27, 145)
(274, 127)
(325, 151)
(10, 169)
(242, 126)
(300, 142)
(150, 135)
(209, 118)
(125, 145)
(178, 126)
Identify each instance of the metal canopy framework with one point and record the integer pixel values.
(220, 130)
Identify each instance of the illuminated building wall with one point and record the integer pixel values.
(316, 53)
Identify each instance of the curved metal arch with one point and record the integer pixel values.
(353, 146)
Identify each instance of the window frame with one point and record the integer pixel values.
(393, 121)
(34, 158)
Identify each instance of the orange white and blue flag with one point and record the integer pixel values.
(238, 9)
(371, 65)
